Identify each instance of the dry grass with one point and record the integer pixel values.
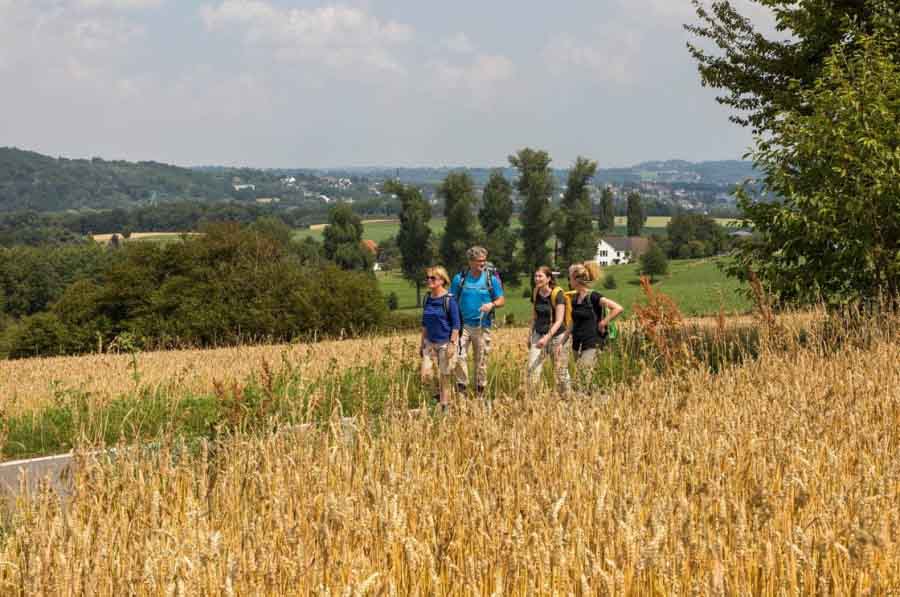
(29, 384)
(777, 477)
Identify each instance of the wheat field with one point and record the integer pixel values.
(778, 476)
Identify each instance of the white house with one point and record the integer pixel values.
(614, 250)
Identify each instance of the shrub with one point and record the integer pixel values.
(39, 334)
(392, 301)
(400, 321)
(230, 285)
(609, 282)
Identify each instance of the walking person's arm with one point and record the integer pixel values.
(613, 310)
(455, 322)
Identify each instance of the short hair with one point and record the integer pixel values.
(476, 252)
(437, 270)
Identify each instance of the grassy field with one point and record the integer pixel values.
(739, 479)
(698, 286)
(379, 230)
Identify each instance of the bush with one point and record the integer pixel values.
(41, 334)
(392, 301)
(230, 285)
(401, 321)
(609, 282)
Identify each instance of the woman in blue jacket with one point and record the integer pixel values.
(440, 334)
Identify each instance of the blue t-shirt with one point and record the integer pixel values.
(439, 324)
(475, 294)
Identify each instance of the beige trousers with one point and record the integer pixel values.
(558, 352)
(479, 339)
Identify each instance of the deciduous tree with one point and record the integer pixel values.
(414, 236)
(574, 227)
(342, 240)
(535, 188)
(499, 239)
(834, 232)
(759, 74)
(636, 215)
(606, 219)
(461, 230)
(654, 262)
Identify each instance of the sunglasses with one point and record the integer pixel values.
(433, 278)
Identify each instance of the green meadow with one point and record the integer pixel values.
(380, 230)
(698, 286)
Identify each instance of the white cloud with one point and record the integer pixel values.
(611, 58)
(51, 36)
(98, 34)
(459, 43)
(477, 82)
(337, 36)
(120, 4)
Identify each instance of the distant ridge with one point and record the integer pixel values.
(30, 180)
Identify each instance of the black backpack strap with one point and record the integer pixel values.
(599, 310)
(447, 305)
(462, 281)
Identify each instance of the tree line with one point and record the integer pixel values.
(234, 283)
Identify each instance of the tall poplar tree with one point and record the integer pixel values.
(414, 236)
(535, 188)
(575, 229)
(635, 213)
(495, 215)
(461, 229)
(606, 219)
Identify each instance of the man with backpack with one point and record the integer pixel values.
(478, 291)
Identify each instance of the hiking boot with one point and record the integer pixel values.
(479, 391)
(461, 388)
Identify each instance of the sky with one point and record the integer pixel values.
(274, 83)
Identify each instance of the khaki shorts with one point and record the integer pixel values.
(442, 355)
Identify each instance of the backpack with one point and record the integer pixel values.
(445, 302)
(567, 321)
(599, 311)
(489, 269)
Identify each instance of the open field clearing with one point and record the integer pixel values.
(775, 475)
(145, 236)
(697, 285)
(380, 230)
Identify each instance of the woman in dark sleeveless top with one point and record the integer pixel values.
(591, 314)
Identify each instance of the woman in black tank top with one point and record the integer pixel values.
(591, 314)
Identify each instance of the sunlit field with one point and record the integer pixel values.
(754, 456)
(745, 456)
